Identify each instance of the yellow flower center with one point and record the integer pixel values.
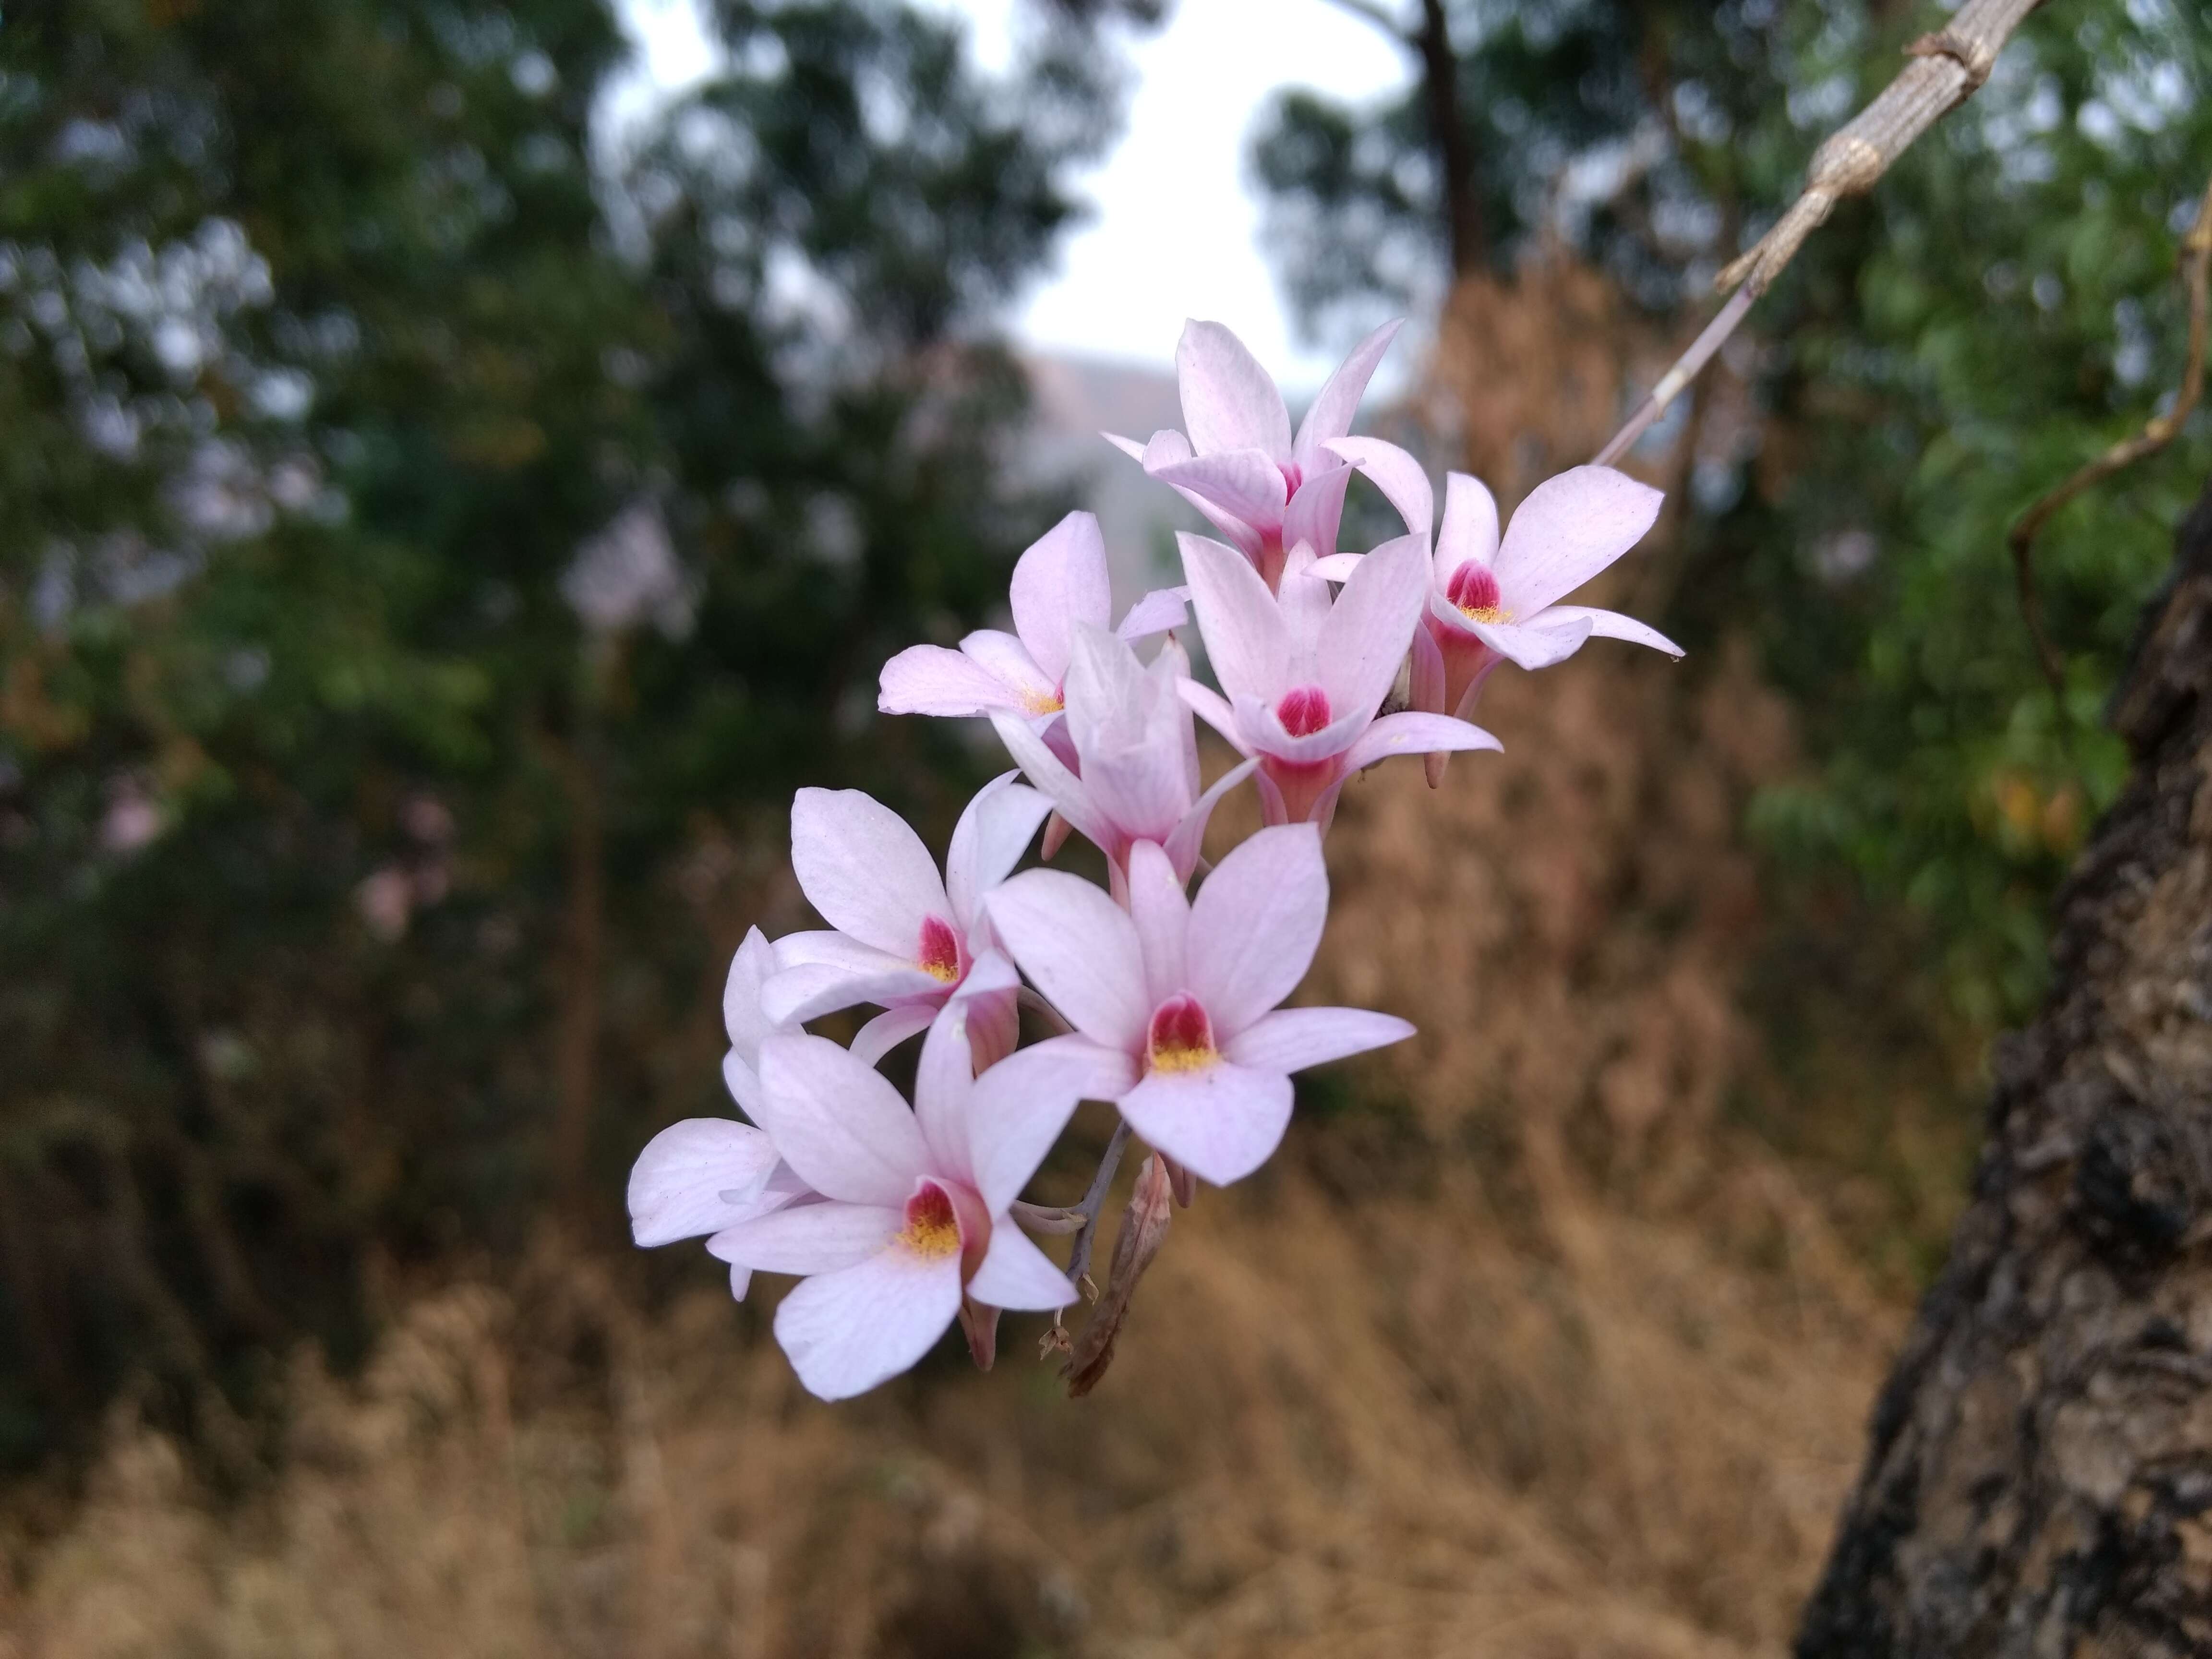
(931, 1231)
(1042, 702)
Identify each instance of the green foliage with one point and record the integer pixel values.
(429, 561)
(2001, 310)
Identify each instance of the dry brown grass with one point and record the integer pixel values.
(1532, 1352)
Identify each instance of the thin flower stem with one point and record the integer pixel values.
(1078, 1260)
(1047, 1219)
(1944, 70)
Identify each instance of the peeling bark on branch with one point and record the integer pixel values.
(2040, 1480)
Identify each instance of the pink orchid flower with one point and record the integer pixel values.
(1059, 585)
(1135, 778)
(1174, 1002)
(1493, 601)
(1305, 677)
(912, 1230)
(1265, 490)
(898, 936)
(704, 1174)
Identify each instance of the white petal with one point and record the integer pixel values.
(847, 1331)
(1397, 475)
(1069, 798)
(942, 1082)
(1014, 1273)
(1007, 661)
(1413, 732)
(994, 830)
(1569, 528)
(1182, 847)
(1244, 482)
(1221, 1121)
(1255, 924)
(928, 679)
(865, 871)
(1245, 638)
(811, 989)
(1059, 582)
(1155, 613)
(1131, 731)
(1337, 567)
(1369, 629)
(1331, 413)
(743, 1081)
(1080, 949)
(842, 1127)
(1162, 916)
(888, 1029)
(1469, 531)
(1228, 402)
(1607, 625)
(1019, 1108)
(1530, 648)
(808, 1238)
(694, 1176)
(741, 1011)
(1291, 1039)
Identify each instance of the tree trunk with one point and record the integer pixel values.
(1455, 151)
(2040, 1480)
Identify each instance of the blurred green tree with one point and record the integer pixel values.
(2001, 309)
(439, 531)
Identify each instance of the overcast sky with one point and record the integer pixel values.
(1175, 231)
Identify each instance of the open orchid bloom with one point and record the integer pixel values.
(1305, 677)
(898, 936)
(1059, 585)
(1136, 772)
(1493, 601)
(707, 1173)
(1174, 1002)
(912, 1228)
(1265, 490)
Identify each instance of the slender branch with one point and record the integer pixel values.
(1368, 12)
(1048, 1219)
(1078, 1260)
(1945, 69)
(2157, 432)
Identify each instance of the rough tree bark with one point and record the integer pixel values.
(2040, 1480)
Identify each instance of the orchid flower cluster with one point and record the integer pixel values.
(904, 1219)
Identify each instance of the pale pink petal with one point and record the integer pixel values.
(1413, 732)
(846, 1332)
(1531, 647)
(1425, 685)
(1007, 661)
(742, 1017)
(843, 1130)
(1220, 1121)
(1316, 510)
(1131, 732)
(742, 1079)
(888, 1029)
(1606, 625)
(741, 1281)
(694, 1176)
(1128, 446)
(1246, 483)
(1369, 629)
(1255, 924)
(988, 974)
(1245, 638)
(810, 1238)
(1397, 475)
(1210, 706)
(811, 990)
(1162, 916)
(1155, 613)
(1033, 754)
(1015, 1274)
(1018, 1107)
(1470, 527)
(995, 829)
(1228, 402)
(1259, 730)
(1569, 528)
(864, 870)
(1304, 599)
(928, 679)
(1080, 949)
(1337, 567)
(941, 1085)
(1059, 582)
(1331, 413)
(1183, 846)
(1291, 1039)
